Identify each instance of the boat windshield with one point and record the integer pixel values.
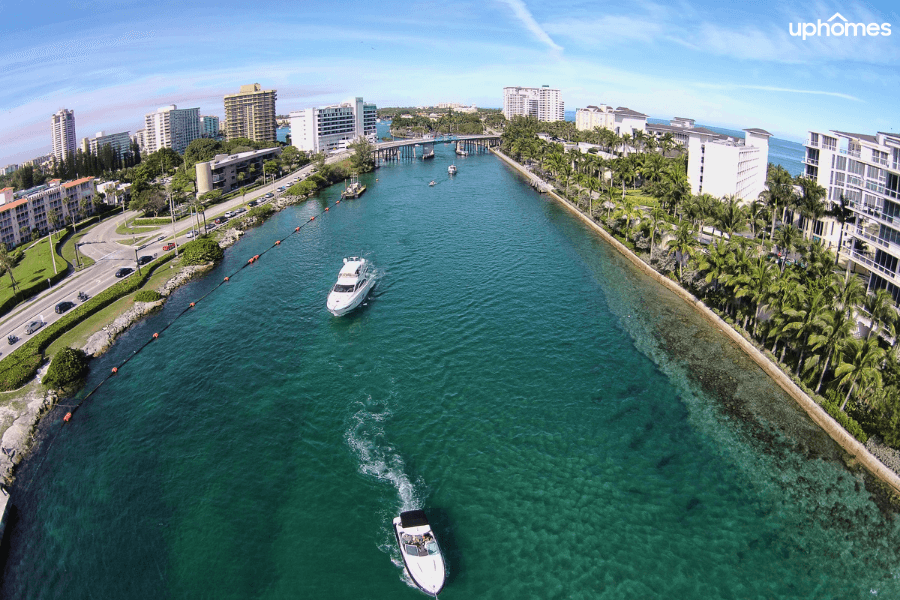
(343, 289)
(432, 548)
(361, 284)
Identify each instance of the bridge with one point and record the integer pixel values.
(423, 148)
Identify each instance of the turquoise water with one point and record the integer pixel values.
(572, 430)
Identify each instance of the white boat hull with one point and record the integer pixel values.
(339, 304)
(427, 572)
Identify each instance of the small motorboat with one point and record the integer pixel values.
(432, 182)
(355, 280)
(451, 169)
(421, 553)
(355, 189)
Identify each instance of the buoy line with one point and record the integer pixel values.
(255, 258)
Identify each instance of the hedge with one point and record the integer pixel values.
(21, 365)
(143, 221)
(147, 296)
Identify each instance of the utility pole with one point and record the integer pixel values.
(52, 253)
(137, 262)
(172, 212)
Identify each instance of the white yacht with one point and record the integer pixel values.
(355, 280)
(452, 169)
(421, 553)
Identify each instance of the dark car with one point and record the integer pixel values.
(33, 326)
(144, 260)
(124, 272)
(220, 220)
(63, 306)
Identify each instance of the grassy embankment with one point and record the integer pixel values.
(32, 272)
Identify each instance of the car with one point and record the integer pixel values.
(193, 233)
(144, 260)
(33, 326)
(269, 195)
(124, 272)
(240, 210)
(160, 238)
(63, 306)
(229, 214)
(169, 246)
(282, 188)
(221, 220)
(253, 203)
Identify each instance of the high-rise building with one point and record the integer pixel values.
(140, 138)
(865, 170)
(62, 130)
(171, 127)
(329, 128)
(209, 126)
(543, 103)
(120, 142)
(251, 114)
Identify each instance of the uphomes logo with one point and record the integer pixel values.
(838, 26)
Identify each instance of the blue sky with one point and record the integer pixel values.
(724, 63)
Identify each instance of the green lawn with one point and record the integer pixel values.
(68, 250)
(34, 267)
(78, 335)
(640, 198)
(125, 229)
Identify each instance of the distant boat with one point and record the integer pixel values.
(432, 182)
(460, 150)
(355, 189)
(421, 553)
(451, 169)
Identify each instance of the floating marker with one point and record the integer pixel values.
(298, 229)
(155, 336)
(115, 369)
(192, 304)
(326, 209)
(277, 242)
(68, 417)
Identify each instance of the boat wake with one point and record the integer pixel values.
(377, 458)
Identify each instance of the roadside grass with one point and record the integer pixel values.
(78, 335)
(36, 266)
(68, 251)
(125, 229)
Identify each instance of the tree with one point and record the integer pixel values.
(860, 363)
(805, 321)
(68, 366)
(810, 204)
(787, 239)
(842, 213)
(880, 307)
(657, 215)
(7, 263)
(683, 245)
(780, 191)
(363, 158)
(837, 330)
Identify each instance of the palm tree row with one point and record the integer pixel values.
(764, 267)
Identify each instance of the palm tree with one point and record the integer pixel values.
(805, 321)
(848, 294)
(810, 204)
(880, 307)
(860, 363)
(780, 191)
(657, 215)
(683, 245)
(7, 263)
(837, 330)
(729, 214)
(842, 214)
(787, 239)
(756, 285)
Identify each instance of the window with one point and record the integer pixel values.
(886, 260)
(840, 163)
(889, 235)
(829, 143)
(813, 139)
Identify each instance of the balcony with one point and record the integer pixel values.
(874, 239)
(874, 266)
(811, 161)
(811, 143)
(853, 153)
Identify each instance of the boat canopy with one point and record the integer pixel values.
(413, 518)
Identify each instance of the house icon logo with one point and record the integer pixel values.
(838, 26)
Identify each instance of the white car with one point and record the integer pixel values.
(192, 233)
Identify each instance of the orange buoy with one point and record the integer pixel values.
(338, 202)
(277, 242)
(192, 304)
(326, 209)
(250, 262)
(312, 218)
(226, 279)
(115, 369)
(155, 336)
(256, 257)
(298, 229)
(67, 417)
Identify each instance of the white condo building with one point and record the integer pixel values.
(62, 131)
(120, 142)
(719, 164)
(543, 103)
(332, 128)
(621, 120)
(865, 170)
(23, 211)
(171, 127)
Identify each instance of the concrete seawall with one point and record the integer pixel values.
(834, 429)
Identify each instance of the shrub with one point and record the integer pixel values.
(846, 421)
(201, 251)
(147, 296)
(261, 212)
(70, 365)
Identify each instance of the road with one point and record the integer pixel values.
(112, 251)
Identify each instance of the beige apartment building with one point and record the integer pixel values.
(251, 114)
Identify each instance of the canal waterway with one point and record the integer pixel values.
(572, 429)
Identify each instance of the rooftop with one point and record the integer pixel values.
(858, 136)
(624, 110)
(757, 131)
